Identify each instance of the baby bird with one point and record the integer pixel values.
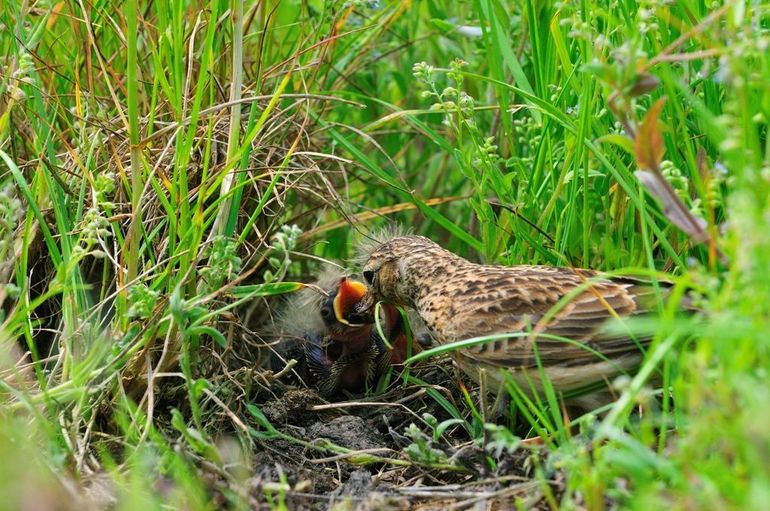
(342, 349)
(560, 316)
(347, 354)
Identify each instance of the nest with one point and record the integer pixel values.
(284, 166)
(137, 372)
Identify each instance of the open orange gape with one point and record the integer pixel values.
(349, 309)
(353, 355)
(349, 294)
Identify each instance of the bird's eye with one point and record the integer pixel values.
(326, 312)
(369, 277)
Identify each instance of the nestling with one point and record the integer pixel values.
(342, 348)
(564, 313)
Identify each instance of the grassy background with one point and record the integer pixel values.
(152, 156)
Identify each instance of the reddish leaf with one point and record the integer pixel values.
(673, 207)
(649, 142)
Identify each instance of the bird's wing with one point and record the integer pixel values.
(576, 305)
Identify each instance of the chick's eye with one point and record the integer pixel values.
(369, 277)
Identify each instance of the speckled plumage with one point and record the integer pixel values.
(460, 300)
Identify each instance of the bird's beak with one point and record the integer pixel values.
(366, 303)
(350, 293)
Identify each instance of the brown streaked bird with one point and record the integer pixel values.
(460, 300)
(342, 348)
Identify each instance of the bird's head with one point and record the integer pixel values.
(326, 306)
(341, 306)
(395, 269)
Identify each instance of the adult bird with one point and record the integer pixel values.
(562, 320)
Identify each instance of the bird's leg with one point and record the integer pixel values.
(501, 404)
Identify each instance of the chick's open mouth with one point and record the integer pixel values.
(350, 304)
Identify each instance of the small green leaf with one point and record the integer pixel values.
(444, 425)
(442, 25)
(261, 419)
(269, 289)
(211, 332)
(624, 143)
